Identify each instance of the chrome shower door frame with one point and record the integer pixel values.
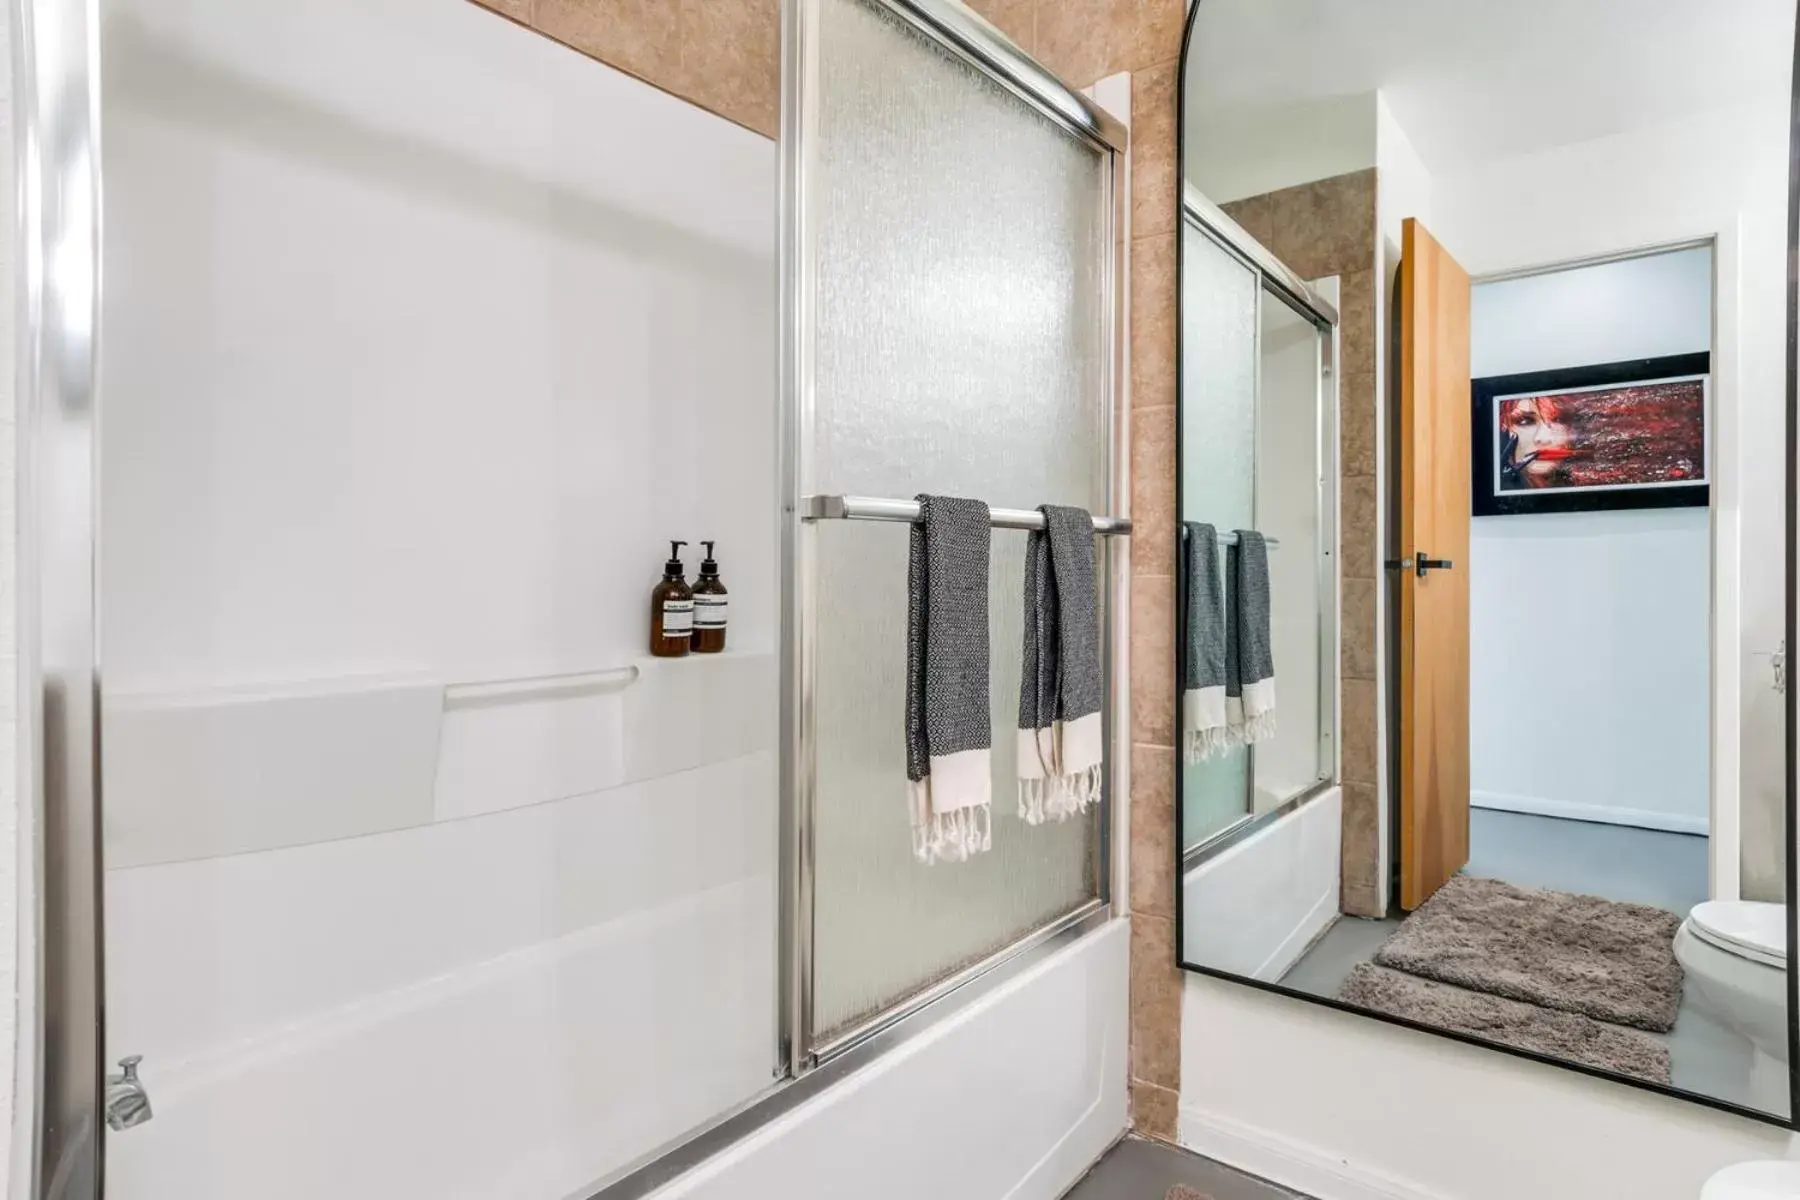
(58, 1131)
(974, 41)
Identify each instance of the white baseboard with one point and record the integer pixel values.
(1609, 814)
(1286, 1162)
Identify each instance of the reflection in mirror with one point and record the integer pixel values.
(1257, 382)
(1483, 461)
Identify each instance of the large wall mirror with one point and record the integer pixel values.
(1483, 597)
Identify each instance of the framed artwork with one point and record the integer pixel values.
(1616, 435)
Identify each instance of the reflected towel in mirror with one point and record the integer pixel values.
(1249, 663)
(1204, 729)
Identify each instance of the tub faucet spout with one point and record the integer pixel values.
(127, 1103)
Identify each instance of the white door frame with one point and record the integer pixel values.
(1725, 839)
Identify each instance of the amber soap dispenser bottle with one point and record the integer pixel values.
(672, 610)
(710, 606)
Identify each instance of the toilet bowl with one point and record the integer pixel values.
(1754, 1181)
(1735, 956)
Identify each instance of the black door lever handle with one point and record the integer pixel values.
(1419, 565)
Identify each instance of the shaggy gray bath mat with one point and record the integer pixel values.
(1562, 1035)
(1580, 954)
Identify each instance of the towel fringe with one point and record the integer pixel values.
(1033, 798)
(1198, 745)
(1058, 797)
(1082, 792)
(954, 836)
(1259, 728)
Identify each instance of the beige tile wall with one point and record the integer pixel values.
(1328, 228)
(724, 56)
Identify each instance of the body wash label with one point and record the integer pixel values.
(709, 612)
(678, 617)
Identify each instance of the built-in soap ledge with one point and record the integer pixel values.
(522, 687)
(528, 740)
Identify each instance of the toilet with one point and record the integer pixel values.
(1754, 1181)
(1735, 956)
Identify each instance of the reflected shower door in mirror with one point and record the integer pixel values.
(1259, 393)
(1484, 449)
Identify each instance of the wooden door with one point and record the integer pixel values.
(1433, 458)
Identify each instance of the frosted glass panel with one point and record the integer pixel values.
(1218, 467)
(1287, 508)
(961, 334)
(1218, 386)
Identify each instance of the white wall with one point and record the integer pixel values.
(1403, 184)
(1647, 307)
(1589, 669)
(1344, 1107)
(421, 333)
(1248, 150)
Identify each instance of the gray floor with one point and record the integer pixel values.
(1619, 862)
(1349, 941)
(1640, 866)
(1140, 1170)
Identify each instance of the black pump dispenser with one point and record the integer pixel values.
(673, 568)
(709, 566)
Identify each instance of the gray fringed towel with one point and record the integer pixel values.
(1249, 665)
(1205, 729)
(1061, 736)
(949, 732)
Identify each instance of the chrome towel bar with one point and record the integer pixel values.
(877, 508)
(1229, 537)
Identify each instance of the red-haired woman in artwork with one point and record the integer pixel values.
(1536, 443)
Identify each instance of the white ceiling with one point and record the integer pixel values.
(1472, 79)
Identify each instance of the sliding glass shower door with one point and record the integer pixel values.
(957, 276)
(962, 349)
(1258, 402)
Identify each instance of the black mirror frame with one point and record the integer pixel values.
(1791, 699)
